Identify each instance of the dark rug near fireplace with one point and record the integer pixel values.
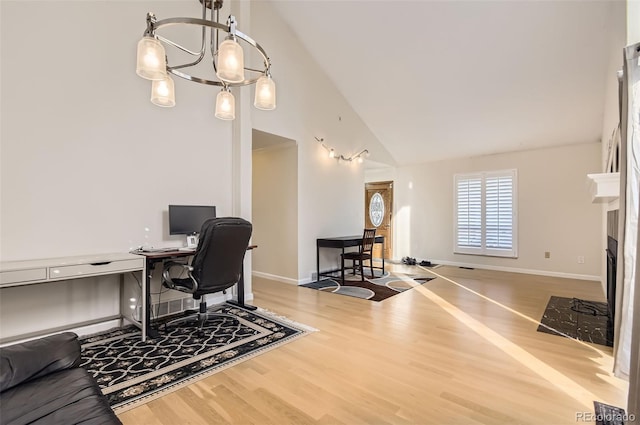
(377, 289)
(585, 320)
(130, 371)
(606, 414)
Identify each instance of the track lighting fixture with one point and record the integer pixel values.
(358, 157)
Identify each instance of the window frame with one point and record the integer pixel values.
(483, 250)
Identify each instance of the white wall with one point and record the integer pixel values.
(33, 308)
(380, 174)
(633, 21)
(554, 209)
(330, 194)
(88, 164)
(611, 116)
(275, 212)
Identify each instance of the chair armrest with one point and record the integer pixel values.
(168, 281)
(32, 359)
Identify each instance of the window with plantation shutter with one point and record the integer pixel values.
(486, 214)
(469, 220)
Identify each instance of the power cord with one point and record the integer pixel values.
(163, 289)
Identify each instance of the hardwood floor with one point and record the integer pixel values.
(461, 349)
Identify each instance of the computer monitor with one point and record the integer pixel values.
(188, 220)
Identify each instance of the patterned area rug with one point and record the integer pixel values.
(585, 320)
(377, 289)
(131, 372)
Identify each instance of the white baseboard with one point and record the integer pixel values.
(519, 270)
(291, 281)
(278, 278)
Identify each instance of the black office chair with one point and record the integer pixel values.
(216, 265)
(365, 252)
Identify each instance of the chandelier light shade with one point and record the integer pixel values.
(151, 62)
(162, 92)
(225, 105)
(265, 98)
(230, 61)
(222, 43)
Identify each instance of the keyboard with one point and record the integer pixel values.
(184, 248)
(158, 249)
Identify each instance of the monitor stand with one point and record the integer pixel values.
(192, 241)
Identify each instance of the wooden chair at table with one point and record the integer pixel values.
(364, 253)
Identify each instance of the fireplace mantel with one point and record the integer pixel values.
(605, 187)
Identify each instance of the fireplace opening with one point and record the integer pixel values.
(612, 256)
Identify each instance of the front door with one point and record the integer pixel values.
(378, 204)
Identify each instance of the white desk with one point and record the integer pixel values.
(41, 271)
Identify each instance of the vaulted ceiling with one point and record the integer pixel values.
(444, 79)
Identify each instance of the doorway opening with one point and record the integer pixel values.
(274, 206)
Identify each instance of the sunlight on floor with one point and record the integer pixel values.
(600, 353)
(554, 377)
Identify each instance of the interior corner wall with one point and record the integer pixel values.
(555, 212)
(330, 192)
(275, 213)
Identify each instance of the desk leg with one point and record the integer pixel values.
(317, 262)
(120, 294)
(382, 256)
(146, 305)
(342, 266)
(145, 301)
(240, 288)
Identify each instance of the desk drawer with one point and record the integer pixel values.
(18, 276)
(95, 269)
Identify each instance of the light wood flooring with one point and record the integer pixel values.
(461, 349)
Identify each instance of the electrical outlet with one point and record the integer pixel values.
(580, 259)
(547, 254)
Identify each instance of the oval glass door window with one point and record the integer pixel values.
(376, 209)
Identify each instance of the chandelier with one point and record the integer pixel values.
(226, 57)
